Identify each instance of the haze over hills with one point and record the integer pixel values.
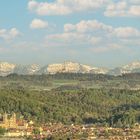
(66, 67)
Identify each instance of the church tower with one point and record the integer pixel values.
(14, 118)
(12, 121)
(5, 118)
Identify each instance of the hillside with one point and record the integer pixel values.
(75, 106)
(73, 98)
(71, 80)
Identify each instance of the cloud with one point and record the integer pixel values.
(96, 35)
(32, 4)
(9, 34)
(64, 7)
(67, 39)
(123, 9)
(134, 10)
(95, 40)
(97, 28)
(109, 8)
(87, 26)
(126, 32)
(38, 24)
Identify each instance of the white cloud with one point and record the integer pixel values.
(123, 8)
(95, 40)
(9, 34)
(116, 9)
(135, 10)
(67, 39)
(96, 35)
(38, 24)
(69, 27)
(97, 28)
(32, 5)
(87, 26)
(64, 7)
(14, 33)
(126, 32)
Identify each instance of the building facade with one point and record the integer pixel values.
(11, 122)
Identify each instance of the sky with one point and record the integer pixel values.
(104, 33)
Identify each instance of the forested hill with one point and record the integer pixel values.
(60, 80)
(112, 107)
(72, 76)
(73, 98)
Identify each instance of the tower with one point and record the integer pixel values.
(12, 121)
(14, 117)
(5, 118)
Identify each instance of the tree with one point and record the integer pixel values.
(36, 132)
(2, 131)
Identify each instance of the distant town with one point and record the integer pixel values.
(13, 128)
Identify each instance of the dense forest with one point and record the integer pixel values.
(70, 104)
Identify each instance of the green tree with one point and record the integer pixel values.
(2, 131)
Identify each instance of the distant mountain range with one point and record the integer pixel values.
(66, 67)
